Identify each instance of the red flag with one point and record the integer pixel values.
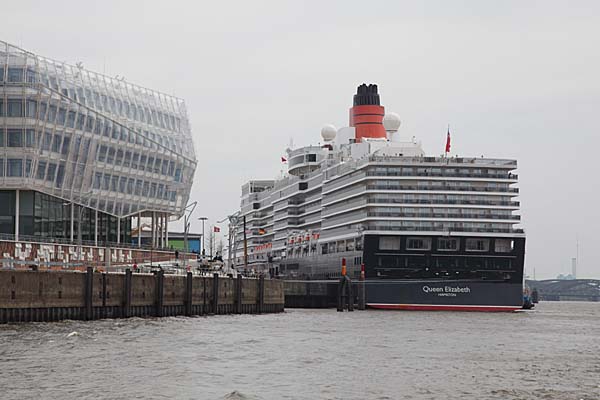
(216, 229)
(283, 159)
(448, 142)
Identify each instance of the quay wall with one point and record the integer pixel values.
(41, 296)
(314, 294)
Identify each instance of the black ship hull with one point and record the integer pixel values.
(398, 277)
(444, 295)
(489, 278)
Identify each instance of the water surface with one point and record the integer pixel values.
(551, 353)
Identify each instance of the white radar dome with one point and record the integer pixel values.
(391, 122)
(328, 133)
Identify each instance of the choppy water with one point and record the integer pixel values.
(552, 353)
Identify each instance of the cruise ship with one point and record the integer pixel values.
(429, 232)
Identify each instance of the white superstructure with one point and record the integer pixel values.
(337, 192)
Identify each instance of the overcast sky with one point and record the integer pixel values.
(514, 80)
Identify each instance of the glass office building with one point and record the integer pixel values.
(81, 149)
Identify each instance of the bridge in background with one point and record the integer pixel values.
(567, 290)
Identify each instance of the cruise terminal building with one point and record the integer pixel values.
(83, 156)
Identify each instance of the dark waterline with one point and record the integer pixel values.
(551, 353)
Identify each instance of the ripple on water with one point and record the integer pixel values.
(310, 354)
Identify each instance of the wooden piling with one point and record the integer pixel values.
(362, 300)
(127, 295)
(89, 293)
(204, 296)
(215, 301)
(238, 294)
(188, 294)
(261, 294)
(158, 303)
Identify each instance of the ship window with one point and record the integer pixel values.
(504, 245)
(415, 262)
(350, 245)
(478, 245)
(475, 263)
(446, 244)
(312, 158)
(413, 243)
(332, 248)
(389, 243)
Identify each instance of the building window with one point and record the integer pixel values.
(31, 108)
(14, 138)
(14, 167)
(56, 144)
(389, 243)
(413, 243)
(446, 244)
(102, 153)
(65, 145)
(15, 75)
(60, 176)
(14, 108)
(122, 184)
(478, 245)
(97, 180)
(41, 170)
(47, 141)
(30, 138)
(51, 172)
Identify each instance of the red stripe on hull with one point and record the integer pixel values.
(441, 307)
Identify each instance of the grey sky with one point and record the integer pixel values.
(514, 79)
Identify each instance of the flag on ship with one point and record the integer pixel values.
(283, 159)
(216, 229)
(448, 141)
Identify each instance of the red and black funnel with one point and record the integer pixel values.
(366, 116)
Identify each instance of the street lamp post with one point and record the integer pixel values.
(186, 222)
(203, 241)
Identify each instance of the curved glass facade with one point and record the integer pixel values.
(90, 139)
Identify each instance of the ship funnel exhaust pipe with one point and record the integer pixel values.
(366, 115)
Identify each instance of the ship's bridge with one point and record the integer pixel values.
(304, 160)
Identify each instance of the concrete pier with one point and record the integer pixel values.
(28, 296)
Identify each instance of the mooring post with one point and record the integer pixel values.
(361, 289)
(215, 293)
(204, 296)
(261, 293)
(159, 293)
(350, 295)
(103, 292)
(89, 290)
(127, 295)
(238, 294)
(342, 288)
(340, 294)
(188, 294)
